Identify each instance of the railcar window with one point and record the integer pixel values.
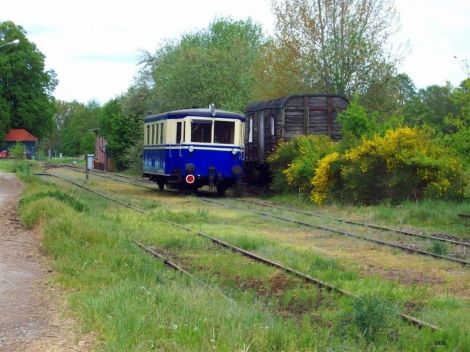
(157, 134)
(153, 134)
(147, 135)
(224, 132)
(201, 131)
(178, 132)
(161, 133)
(273, 130)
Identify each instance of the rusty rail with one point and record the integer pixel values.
(309, 279)
(365, 224)
(344, 233)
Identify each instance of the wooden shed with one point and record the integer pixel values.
(20, 135)
(270, 122)
(102, 159)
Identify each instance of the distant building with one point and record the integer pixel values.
(20, 135)
(103, 160)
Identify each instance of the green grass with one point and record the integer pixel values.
(133, 303)
(433, 216)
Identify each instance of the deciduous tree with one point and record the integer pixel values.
(25, 86)
(209, 66)
(328, 46)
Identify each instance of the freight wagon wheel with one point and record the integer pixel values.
(161, 185)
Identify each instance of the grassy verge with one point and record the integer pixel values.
(134, 303)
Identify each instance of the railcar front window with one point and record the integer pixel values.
(224, 132)
(201, 131)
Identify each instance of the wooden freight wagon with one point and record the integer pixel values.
(270, 122)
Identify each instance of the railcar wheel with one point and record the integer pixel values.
(221, 188)
(161, 184)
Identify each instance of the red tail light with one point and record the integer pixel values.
(190, 179)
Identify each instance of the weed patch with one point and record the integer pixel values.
(373, 316)
(61, 196)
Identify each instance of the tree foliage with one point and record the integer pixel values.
(209, 66)
(74, 123)
(328, 46)
(25, 86)
(121, 123)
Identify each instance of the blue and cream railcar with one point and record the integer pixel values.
(194, 148)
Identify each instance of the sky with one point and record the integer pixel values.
(94, 46)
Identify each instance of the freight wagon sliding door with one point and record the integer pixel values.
(261, 136)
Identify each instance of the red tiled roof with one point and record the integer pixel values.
(19, 135)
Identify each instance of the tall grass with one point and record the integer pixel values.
(134, 303)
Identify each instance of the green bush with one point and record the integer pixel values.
(294, 162)
(355, 121)
(17, 151)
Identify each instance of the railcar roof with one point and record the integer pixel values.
(176, 114)
(282, 101)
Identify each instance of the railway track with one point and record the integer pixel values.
(342, 232)
(399, 246)
(447, 239)
(103, 174)
(253, 256)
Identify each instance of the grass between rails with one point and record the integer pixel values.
(433, 216)
(136, 304)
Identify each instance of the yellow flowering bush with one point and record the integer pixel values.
(294, 162)
(325, 178)
(402, 164)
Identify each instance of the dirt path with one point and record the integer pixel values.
(31, 308)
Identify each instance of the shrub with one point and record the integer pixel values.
(17, 151)
(294, 162)
(355, 120)
(402, 164)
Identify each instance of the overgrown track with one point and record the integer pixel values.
(342, 232)
(447, 239)
(253, 256)
(321, 227)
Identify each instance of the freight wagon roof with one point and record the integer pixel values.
(281, 102)
(178, 114)
(19, 135)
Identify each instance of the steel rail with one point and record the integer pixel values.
(344, 233)
(165, 260)
(319, 215)
(176, 267)
(309, 279)
(92, 191)
(365, 224)
(131, 180)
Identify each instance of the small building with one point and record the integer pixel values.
(20, 135)
(103, 160)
